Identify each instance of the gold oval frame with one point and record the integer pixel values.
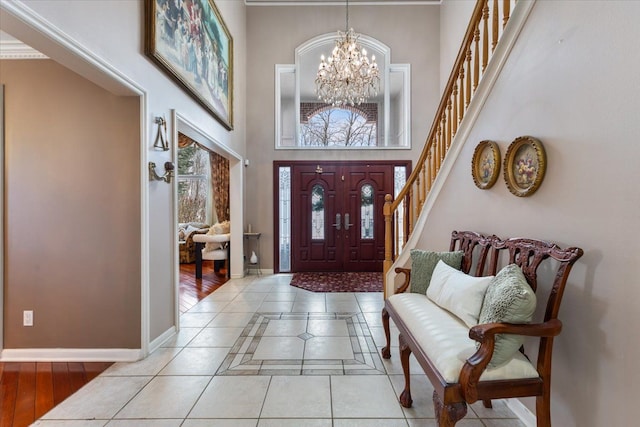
(524, 166)
(485, 173)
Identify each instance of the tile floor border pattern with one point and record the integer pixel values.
(241, 359)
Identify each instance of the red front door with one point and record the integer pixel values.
(336, 215)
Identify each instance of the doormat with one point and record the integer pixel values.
(338, 282)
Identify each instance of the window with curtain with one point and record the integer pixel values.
(194, 185)
(203, 183)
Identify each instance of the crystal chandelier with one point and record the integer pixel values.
(347, 76)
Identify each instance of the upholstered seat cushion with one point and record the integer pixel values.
(216, 246)
(445, 339)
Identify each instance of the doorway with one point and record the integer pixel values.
(331, 219)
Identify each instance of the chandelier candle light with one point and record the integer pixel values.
(347, 76)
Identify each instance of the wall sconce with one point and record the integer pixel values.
(161, 137)
(168, 172)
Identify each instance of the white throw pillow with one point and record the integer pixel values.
(458, 293)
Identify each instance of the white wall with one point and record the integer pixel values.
(454, 19)
(113, 31)
(571, 81)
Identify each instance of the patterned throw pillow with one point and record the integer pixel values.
(509, 299)
(423, 263)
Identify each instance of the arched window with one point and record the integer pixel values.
(382, 121)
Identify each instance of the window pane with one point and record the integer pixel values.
(366, 212)
(285, 215)
(317, 212)
(192, 200)
(399, 180)
(193, 161)
(194, 182)
(326, 126)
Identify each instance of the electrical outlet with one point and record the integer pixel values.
(27, 318)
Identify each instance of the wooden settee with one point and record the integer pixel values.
(451, 396)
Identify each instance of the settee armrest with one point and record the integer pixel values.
(546, 329)
(485, 334)
(407, 279)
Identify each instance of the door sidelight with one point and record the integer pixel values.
(338, 224)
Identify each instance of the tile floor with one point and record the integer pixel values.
(260, 353)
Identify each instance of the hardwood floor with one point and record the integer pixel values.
(28, 390)
(31, 389)
(193, 290)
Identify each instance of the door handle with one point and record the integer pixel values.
(346, 221)
(338, 224)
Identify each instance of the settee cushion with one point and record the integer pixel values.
(423, 263)
(457, 292)
(445, 339)
(509, 299)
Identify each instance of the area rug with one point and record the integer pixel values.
(338, 282)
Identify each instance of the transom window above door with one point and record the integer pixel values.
(305, 122)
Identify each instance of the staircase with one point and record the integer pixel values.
(492, 31)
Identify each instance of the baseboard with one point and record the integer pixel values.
(156, 343)
(525, 415)
(258, 272)
(71, 355)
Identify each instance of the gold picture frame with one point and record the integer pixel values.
(524, 166)
(485, 164)
(192, 44)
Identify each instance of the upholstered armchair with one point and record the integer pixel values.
(186, 231)
(213, 246)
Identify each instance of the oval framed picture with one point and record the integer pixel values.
(524, 166)
(485, 164)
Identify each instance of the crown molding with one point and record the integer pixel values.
(15, 49)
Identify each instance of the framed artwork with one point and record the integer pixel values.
(524, 166)
(189, 40)
(485, 164)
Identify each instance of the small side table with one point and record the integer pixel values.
(255, 237)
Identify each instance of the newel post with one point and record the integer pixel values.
(388, 242)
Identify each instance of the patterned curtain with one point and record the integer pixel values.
(184, 140)
(220, 185)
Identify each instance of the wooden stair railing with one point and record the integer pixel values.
(483, 33)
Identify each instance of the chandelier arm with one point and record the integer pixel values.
(347, 26)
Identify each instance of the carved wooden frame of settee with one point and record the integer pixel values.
(451, 399)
